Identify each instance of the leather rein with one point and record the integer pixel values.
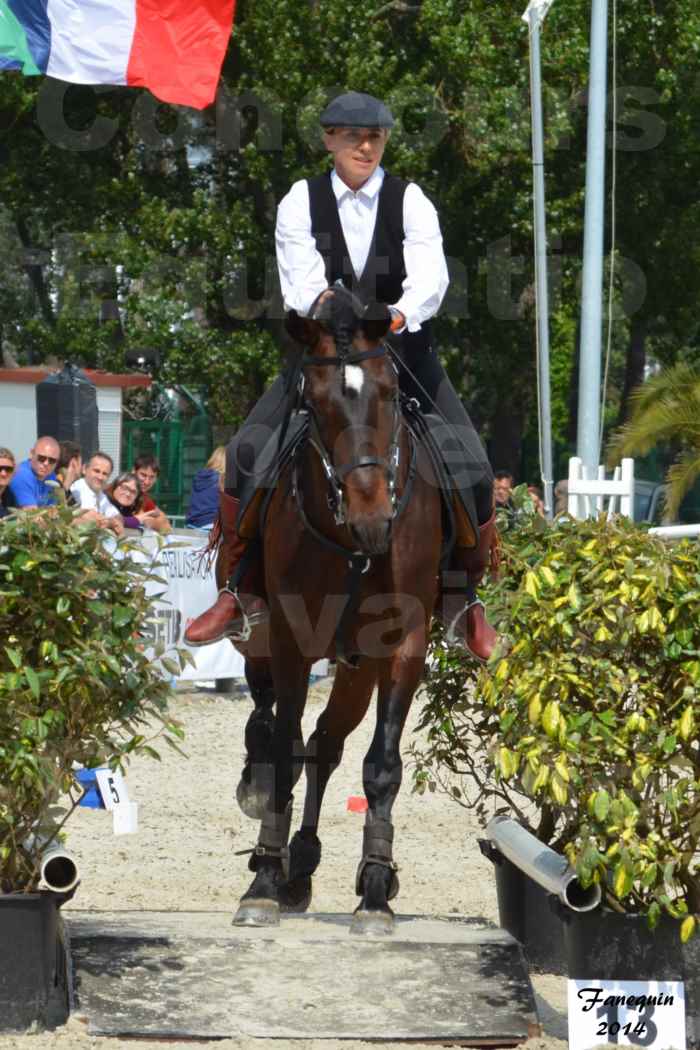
(358, 562)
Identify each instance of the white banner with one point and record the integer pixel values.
(189, 589)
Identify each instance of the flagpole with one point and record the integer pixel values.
(534, 16)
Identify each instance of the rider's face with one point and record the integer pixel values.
(356, 152)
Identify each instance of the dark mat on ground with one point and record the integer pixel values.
(194, 975)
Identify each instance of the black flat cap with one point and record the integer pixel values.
(356, 110)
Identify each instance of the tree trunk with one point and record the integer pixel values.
(505, 446)
(634, 365)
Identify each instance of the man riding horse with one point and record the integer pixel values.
(380, 237)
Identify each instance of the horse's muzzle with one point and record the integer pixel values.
(372, 537)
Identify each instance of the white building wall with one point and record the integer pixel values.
(109, 422)
(18, 417)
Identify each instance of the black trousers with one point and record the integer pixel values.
(252, 451)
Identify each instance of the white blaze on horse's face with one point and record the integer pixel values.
(354, 378)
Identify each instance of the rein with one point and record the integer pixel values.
(359, 563)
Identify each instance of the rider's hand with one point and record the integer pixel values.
(398, 321)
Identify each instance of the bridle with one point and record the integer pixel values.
(336, 476)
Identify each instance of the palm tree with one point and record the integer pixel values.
(666, 408)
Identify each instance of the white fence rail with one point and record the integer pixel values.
(588, 497)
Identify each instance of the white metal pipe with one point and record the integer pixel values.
(675, 532)
(59, 869)
(541, 864)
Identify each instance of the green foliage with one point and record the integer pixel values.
(173, 213)
(76, 682)
(666, 410)
(585, 724)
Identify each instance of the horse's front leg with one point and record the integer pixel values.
(347, 706)
(377, 881)
(255, 785)
(260, 905)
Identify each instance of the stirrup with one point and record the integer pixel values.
(451, 636)
(242, 633)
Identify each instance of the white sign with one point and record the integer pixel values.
(189, 588)
(125, 818)
(112, 787)
(649, 1014)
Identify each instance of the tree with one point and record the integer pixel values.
(171, 212)
(666, 409)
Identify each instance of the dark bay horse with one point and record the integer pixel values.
(352, 546)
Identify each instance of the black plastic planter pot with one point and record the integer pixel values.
(33, 968)
(529, 914)
(605, 945)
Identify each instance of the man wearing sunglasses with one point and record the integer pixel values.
(28, 486)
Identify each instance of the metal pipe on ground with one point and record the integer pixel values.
(541, 864)
(59, 870)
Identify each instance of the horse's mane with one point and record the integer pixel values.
(344, 313)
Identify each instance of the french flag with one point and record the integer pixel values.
(175, 48)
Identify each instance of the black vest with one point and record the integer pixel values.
(384, 272)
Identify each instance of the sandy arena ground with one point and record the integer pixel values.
(181, 858)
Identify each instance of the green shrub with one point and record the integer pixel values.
(76, 682)
(590, 711)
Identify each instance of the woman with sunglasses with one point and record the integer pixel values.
(7, 469)
(125, 494)
(29, 482)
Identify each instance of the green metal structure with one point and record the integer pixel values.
(181, 441)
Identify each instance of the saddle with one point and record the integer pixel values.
(428, 429)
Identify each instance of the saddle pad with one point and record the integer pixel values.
(447, 456)
(256, 489)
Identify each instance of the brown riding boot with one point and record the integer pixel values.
(231, 616)
(466, 623)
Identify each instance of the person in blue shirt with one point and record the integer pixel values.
(207, 485)
(28, 485)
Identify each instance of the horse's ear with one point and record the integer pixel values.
(376, 321)
(302, 329)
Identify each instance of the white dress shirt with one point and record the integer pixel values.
(89, 500)
(301, 267)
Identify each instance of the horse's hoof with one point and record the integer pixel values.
(372, 923)
(251, 801)
(257, 911)
(295, 895)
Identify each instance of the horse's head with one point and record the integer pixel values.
(351, 390)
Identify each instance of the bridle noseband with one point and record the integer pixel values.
(336, 476)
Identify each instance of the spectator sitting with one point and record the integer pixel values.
(7, 469)
(146, 469)
(206, 486)
(503, 488)
(70, 468)
(89, 493)
(125, 495)
(536, 495)
(29, 483)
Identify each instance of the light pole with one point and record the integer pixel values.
(588, 434)
(534, 16)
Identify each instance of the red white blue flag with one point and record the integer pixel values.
(175, 48)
